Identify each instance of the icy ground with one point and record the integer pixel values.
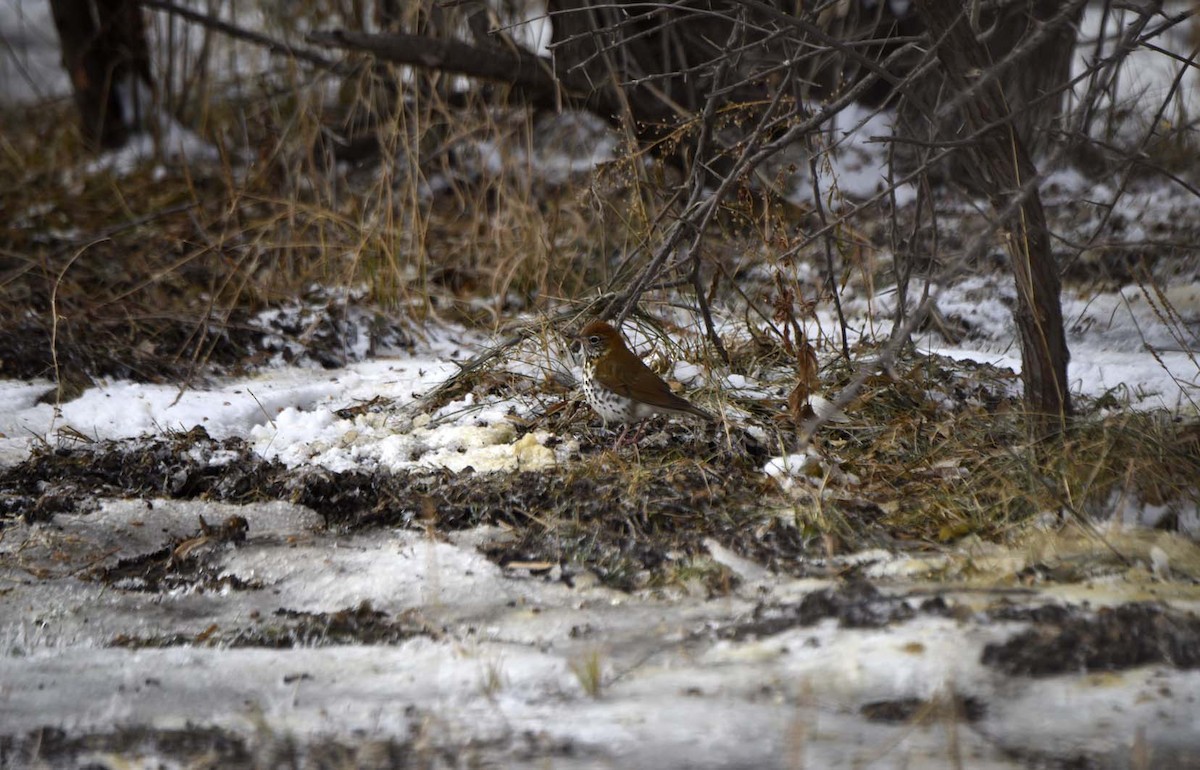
(521, 666)
(495, 668)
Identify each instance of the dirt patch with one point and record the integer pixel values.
(185, 466)
(182, 564)
(632, 521)
(1071, 640)
(292, 628)
(196, 746)
(355, 625)
(959, 708)
(856, 604)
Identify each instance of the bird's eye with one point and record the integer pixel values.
(594, 339)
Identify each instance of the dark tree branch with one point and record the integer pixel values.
(523, 70)
(241, 33)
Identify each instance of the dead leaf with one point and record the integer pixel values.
(204, 635)
(807, 380)
(798, 406)
(807, 367)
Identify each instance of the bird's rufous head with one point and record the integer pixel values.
(598, 338)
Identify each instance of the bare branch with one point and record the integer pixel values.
(241, 33)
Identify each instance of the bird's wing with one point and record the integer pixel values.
(637, 378)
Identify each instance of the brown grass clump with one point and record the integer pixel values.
(940, 471)
(158, 273)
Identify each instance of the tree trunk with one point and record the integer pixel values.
(105, 54)
(1001, 163)
(1041, 35)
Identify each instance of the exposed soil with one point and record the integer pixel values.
(1065, 640)
(592, 515)
(293, 628)
(195, 746)
(857, 604)
(907, 710)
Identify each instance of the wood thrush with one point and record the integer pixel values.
(618, 386)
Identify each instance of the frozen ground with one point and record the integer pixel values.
(539, 665)
(495, 665)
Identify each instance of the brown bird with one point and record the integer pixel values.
(618, 386)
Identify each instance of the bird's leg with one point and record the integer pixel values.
(620, 437)
(637, 435)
